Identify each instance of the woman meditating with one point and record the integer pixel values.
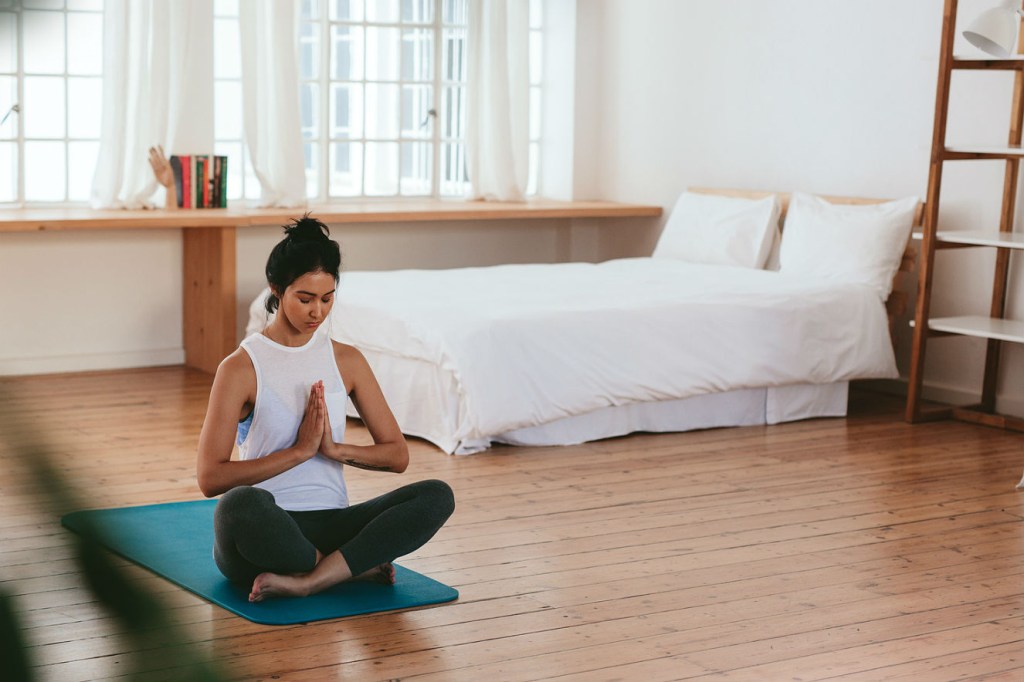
(284, 525)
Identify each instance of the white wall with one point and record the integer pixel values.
(110, 299)
(825, 96)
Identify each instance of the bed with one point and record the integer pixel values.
(558, 354)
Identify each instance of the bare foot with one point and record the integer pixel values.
(274, 585)
(384, 574)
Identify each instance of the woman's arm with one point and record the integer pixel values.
(234, 387)
(389, 451)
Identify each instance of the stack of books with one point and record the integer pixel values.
(201, 180)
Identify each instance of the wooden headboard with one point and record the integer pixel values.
(899, 299)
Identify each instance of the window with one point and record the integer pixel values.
(228, 134)
(382, 98)
(50, 89)
(536, 71)
(382, 107)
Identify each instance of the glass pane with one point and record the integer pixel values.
(382, 53)
(416, 106)
(227, 49)
(44, 171)
(533, 171)
(453, 113)
(418, 11)
(81, 168)
(454, 182)
(85, 40)
(384, 11)
(454, 66)
(43, 4)
(454, 12)
(417, 168)
(536, 13)
(381, 168)
(91, 5)
(43, 108)
(44, 42)
(309, 50)
(227, 110)
(84, 98)
(8, 43)
(8, 96)
(346, 10)
(309, 110)
(381, 111)
(225, 8)
(311, 154)
(346, 53)
(346, 169)
(417, 55)
(232, 150)
(536, 57)
(534, 113)
(309, 10)
(8, 171)
(346, 110)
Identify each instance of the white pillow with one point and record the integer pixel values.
(848, 243)
(706, 228)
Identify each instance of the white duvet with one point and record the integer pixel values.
(528, 344)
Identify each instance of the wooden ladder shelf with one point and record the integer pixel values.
(994, 327)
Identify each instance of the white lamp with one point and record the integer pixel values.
(995, 30)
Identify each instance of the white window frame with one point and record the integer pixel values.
(323, 82)
(20, 139)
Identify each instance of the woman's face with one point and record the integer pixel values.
(307, 301)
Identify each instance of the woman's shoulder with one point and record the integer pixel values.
(236, 367)
(348, 356)
(345, 353)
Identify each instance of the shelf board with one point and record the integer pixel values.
(989, 63)
(982, 152)
(1002, 240)
(980, 327)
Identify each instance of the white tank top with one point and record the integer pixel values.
(284, 376)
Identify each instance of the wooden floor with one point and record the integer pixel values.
(859, 549)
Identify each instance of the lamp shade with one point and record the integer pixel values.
(995, 30)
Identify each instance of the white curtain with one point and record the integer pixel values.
(157, 89)
(498, 99)
(270, 98)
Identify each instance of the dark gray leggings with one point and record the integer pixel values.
(253, 535)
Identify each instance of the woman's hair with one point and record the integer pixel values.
(307, 247)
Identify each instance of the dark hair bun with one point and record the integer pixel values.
(307, 229)
(307, 247)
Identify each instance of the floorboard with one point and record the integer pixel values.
(850, 549)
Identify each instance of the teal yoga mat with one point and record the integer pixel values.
(175, 540)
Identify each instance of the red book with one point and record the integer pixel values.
(186, 181)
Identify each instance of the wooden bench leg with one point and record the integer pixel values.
(209, 314)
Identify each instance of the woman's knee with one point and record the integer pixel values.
(242, 502)
(439, 495)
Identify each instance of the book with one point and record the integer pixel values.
(176, 169)
(200, 180)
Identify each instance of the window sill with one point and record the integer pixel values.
(404, 211)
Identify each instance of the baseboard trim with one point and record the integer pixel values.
(939, 393)
(91, 362)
